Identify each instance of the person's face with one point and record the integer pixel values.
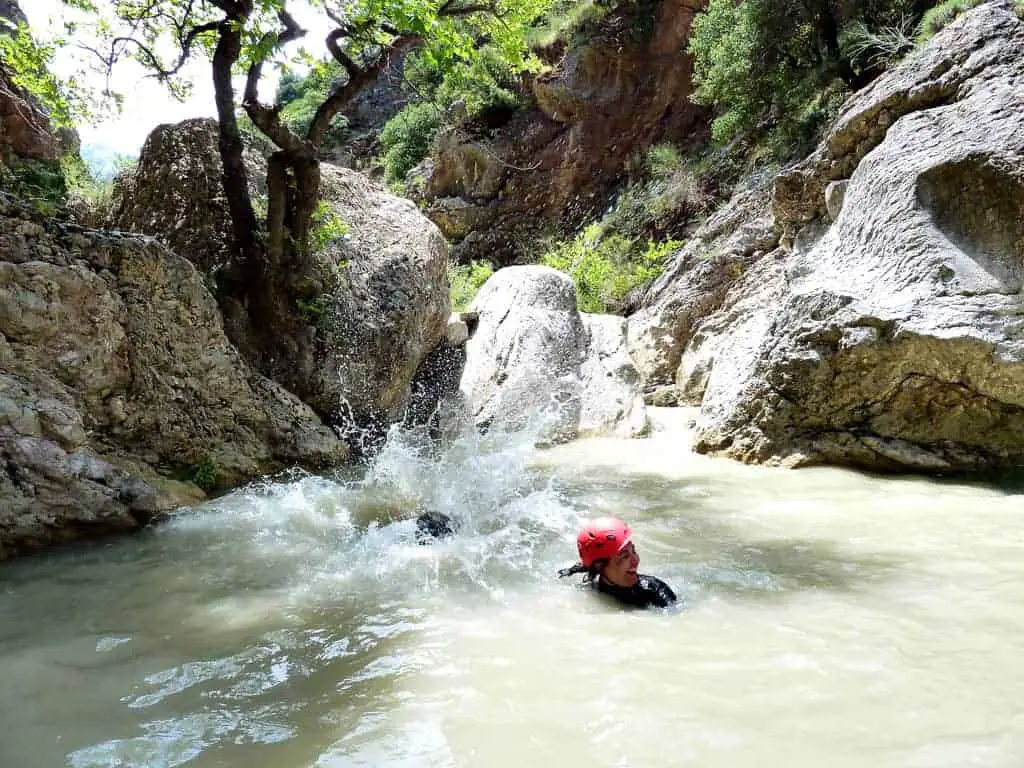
(621, 569)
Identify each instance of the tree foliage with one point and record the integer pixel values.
(248, 35)
(782, 63)
(484, 86)
(29, 63)
(299, 96)
(606, 268)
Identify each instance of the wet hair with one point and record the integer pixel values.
(591, 573)
(434, 526)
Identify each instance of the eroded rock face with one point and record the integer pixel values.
(534, 362)
(694, 285)
(611, 402)
(894, 337)
(391, 304)
(115, 379)
(625, 89)
(25, 130)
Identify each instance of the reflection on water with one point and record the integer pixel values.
(831, 619)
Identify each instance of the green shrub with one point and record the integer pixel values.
(486, 85)
(407, 137)
(666, 194)
(312, 310)
(878, 49)
(566, 20)
(96, 189)
(941, 16)
(39, 182)
(606, 268)
(327, 226)
(465, 281)
(663, 161)
(778, 67)
(29, 63)
(205, 475)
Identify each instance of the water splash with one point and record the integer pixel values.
(352, 535)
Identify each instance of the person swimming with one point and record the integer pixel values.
(609, 560)
(434, 526)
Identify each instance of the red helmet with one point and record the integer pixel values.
(602, 538)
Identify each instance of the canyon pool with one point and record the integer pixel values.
(828, 618)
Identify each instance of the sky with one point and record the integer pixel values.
(146, 102)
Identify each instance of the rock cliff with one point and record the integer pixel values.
(602, 102)
(886, 331)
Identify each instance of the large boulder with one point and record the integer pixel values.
(380, 301)
(893, 336)
(389, 303)
(120, 394)
(175, 192)
(534, 362)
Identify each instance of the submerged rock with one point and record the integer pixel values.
(893, 337)
(119, 390)
(435, 526)
(534, 362)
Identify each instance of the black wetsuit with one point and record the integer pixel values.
(647, 592)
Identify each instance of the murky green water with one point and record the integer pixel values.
(831, 619)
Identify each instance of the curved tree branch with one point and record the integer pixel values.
(292, 31)
(159, 71)
(235, 177)
(268, 119)
(339, 55)
(360, 76)
(343, 94)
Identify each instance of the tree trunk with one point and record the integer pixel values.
(234, 176)
(258, 290)
(307, 198)
(828, 35)
(277, 207)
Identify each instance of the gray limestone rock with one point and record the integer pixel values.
(893, 338)
(534, 362)
(118, 383)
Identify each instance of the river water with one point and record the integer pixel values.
(829, 619)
